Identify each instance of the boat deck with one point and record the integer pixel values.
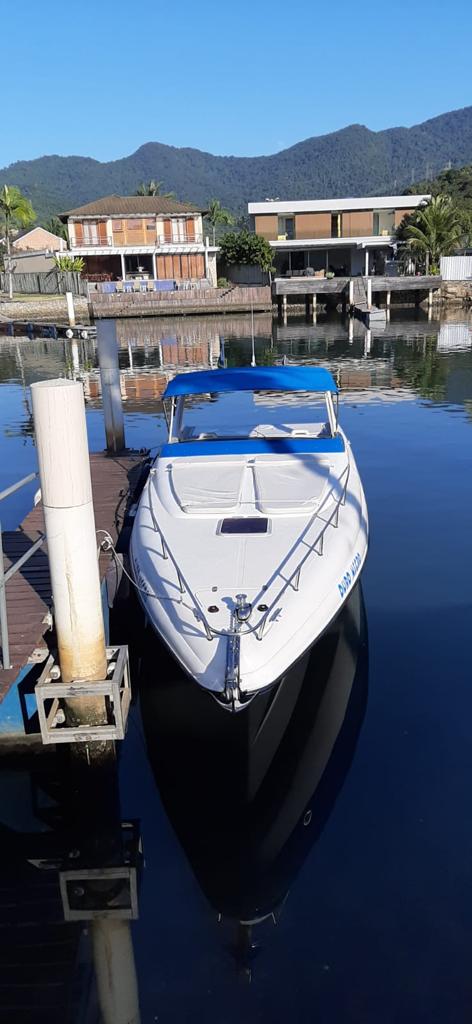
(116, 484)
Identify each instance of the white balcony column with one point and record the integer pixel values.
(154, 265)
(123, 267)
(109, 231)
(366, 269)
(71, 233)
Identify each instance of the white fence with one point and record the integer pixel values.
(456, 268)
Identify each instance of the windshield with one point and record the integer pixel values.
(244, 414)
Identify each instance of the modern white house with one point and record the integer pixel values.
(347, 236)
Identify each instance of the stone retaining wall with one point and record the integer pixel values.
(52, 309)
(456, 292)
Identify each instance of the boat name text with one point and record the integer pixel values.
(350, 575)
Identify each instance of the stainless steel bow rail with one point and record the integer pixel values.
(5, 576)
(243, 610)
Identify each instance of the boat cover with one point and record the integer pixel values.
(251, 378)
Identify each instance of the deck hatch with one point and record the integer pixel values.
(244, 525)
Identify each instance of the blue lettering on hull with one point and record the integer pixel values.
(350, 575)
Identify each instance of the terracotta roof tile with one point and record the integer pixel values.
(124, 206)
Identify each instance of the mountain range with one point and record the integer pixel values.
(352, 161)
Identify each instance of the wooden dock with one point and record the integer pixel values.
(44, 329)
(116, 484)
(360, 305)
(337, 290)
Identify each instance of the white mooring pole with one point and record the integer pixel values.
(115, 971)
(111, 390)
(70, 308)
(66, 489)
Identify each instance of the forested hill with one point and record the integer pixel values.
(353, 161)
(455, 182)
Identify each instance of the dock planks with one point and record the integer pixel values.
(116, 483)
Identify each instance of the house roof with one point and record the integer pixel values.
(124, 206)
(332, 205)
(22, 236)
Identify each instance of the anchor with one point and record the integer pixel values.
(240, 615)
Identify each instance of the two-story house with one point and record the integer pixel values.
(347, 236)
(122, 237)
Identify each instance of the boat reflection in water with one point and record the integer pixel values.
(248, 795)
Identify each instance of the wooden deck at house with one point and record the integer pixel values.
(116, 484)
(351, 291)
(303, 287)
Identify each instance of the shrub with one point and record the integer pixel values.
(245, 247)
(69, 263)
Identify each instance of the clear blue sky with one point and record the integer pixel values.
(244, 77)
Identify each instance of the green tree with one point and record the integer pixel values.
(56, 227)
(217, 216)
(15, 210)
(153, 188)
(245, 247)
(435, 229)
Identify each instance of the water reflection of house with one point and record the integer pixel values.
(151, 331)
(454, 336)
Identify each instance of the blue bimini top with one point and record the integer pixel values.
(252, 378)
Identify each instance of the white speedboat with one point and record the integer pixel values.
(249, 538)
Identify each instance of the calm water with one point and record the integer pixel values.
(313, 864)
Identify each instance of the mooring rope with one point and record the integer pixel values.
(107, 545)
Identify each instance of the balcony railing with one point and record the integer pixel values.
(90, 243)
(114, 242)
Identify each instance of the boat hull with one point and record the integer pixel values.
(189, 583)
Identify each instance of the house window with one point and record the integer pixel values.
(179, 229)
(118, 225)
(286, 227)
(91, 232)
(133, 225)
(150, 225)
(384, 222)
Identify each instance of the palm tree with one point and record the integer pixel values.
(153, 188)
(15, 208)
(216, 214)
(56, 227)
(434, 230)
